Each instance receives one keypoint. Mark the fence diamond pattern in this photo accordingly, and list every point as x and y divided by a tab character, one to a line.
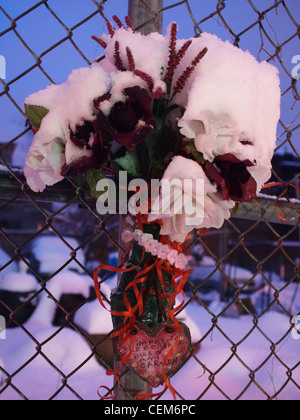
243	297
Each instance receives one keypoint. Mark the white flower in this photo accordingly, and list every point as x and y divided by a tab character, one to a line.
46	156
127	236
232	105
69	105
181	261
141	237
149	244
153	247
137	234
209	208
172	256
164	252
144	238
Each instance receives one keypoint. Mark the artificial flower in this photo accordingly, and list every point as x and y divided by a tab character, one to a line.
89	147
181	261
164	252
127	236
178	220
233	177
132	119
231	105
222	99
172	256
46	156
153	246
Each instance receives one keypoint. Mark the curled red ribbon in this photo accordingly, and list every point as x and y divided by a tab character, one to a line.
277	184
178	280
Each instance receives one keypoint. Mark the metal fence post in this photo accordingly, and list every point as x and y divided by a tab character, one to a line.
130	383
145	13
145	18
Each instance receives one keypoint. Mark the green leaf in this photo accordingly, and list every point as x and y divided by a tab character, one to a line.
137	254
191	148
93	176
158	169
35	114
154	137
130	163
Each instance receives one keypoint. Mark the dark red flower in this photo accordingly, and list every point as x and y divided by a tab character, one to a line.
94	136
133	119
232	175
128	123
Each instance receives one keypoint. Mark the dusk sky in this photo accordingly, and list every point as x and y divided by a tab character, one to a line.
40	31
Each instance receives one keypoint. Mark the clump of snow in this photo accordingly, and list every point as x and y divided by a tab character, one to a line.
72	101
150	52
39	380
210	209
4	259
67	282
281	199
52	253
120	81
93	319
19	282
5	169
232	104
69	105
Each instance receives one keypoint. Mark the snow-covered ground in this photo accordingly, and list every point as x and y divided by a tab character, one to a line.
5	259
255	352
39	380
237	356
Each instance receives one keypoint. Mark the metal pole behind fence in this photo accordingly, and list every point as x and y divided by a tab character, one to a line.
146	11
144	17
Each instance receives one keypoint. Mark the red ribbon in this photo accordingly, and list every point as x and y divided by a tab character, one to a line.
129	314
102	397
277	184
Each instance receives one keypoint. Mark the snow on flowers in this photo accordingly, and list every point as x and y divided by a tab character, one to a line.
189	124
162	108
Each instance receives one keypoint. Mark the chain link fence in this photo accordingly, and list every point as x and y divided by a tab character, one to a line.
243	297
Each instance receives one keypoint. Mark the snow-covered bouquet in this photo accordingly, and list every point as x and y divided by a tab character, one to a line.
197	115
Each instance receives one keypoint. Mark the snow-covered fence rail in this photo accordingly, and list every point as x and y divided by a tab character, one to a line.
267	208
243	298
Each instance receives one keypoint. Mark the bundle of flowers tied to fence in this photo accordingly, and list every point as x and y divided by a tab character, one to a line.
197	115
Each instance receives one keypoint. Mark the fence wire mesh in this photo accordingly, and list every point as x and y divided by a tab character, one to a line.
243	297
